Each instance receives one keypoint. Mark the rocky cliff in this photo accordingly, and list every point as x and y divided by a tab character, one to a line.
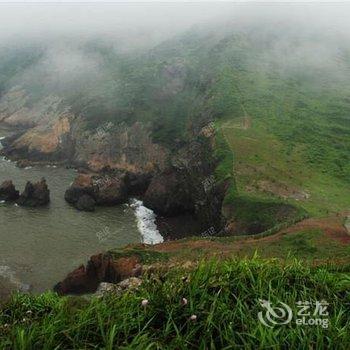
49	132
173	182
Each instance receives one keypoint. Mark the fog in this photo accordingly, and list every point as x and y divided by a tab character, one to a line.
294	36
141	24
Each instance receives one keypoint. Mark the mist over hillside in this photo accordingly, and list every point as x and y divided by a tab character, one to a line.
177	67
195	152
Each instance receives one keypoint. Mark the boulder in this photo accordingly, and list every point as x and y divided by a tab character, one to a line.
8	191
89	190
35	195
85	203
82	185
131	283
100	268
107	288
110	190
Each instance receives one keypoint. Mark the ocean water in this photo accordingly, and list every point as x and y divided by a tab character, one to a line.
39	246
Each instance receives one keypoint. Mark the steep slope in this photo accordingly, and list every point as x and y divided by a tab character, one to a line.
276	101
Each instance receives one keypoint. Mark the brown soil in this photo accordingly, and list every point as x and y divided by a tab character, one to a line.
333	227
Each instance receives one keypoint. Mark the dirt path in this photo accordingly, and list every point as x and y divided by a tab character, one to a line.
333	227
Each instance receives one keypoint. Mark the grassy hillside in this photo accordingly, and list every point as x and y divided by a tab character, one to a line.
224	297
282	108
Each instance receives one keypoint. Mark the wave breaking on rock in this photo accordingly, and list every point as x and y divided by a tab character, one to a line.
146	223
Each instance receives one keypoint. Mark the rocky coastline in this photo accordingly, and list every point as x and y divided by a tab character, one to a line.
174	184
121	162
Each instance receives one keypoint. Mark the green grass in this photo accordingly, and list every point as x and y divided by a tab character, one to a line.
308	245
267	167
223	295
144	256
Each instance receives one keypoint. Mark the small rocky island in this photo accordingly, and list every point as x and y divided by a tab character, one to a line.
34	195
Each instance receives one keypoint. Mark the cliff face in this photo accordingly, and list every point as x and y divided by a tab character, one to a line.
122	147
55	134
179	182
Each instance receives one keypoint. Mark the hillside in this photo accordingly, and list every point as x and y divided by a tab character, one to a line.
216	305
251	122
285	119
228	142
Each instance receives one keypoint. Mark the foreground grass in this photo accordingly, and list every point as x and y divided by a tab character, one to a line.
223	295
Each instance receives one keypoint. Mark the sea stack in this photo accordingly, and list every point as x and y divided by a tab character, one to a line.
35	195
8	191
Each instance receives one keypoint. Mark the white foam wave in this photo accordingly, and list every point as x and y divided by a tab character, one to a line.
146	223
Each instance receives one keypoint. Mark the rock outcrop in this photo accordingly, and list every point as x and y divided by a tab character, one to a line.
100	268
131	283
169	194
174	181
89	190
85	203
35	195
137	183
81	194
8	191
50	132
189	187
110	190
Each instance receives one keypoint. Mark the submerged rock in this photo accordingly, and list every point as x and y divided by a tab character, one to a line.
35	195
8	191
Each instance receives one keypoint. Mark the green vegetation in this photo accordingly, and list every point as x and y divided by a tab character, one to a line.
224	296
144	256
256	215
306	244
285	120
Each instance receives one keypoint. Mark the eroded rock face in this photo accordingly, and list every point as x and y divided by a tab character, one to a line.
35	195
8	191
137	183
168	194
52	133
100	268
189	187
